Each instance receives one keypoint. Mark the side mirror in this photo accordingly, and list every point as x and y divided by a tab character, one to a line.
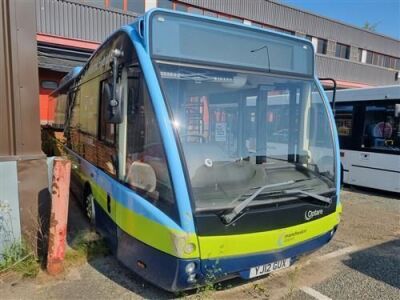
113	94
397	110
107	92
113	107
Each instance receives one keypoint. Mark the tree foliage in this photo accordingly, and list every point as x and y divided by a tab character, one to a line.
370	26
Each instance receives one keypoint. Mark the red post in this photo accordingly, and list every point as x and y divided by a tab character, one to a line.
59	215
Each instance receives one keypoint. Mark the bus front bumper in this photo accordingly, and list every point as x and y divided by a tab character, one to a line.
172	274
240	266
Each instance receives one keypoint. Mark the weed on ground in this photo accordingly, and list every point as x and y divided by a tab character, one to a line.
84	247
19	258
258	291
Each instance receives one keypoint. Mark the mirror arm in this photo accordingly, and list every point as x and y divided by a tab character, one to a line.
117	54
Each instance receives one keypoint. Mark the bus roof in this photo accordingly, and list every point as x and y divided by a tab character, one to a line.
74	74
366	94
171	37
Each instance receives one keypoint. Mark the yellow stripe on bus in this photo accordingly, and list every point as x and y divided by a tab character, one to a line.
184	245
212	247
171	241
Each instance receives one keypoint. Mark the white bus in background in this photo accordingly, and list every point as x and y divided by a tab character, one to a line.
368	124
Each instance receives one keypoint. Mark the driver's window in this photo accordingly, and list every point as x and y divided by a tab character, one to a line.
146	165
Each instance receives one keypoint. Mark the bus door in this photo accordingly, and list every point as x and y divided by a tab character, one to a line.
223	122
254	107
233	123
249	117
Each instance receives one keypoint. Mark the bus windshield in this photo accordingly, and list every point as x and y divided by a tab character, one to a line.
240	131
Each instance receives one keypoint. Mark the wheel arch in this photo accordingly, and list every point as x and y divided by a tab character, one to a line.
87	188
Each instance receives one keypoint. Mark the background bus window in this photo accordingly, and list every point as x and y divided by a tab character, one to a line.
319	130
381	128
344	120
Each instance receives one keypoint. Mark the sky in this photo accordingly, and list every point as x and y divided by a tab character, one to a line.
384	13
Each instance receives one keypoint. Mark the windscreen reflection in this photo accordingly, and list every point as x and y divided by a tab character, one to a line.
242	131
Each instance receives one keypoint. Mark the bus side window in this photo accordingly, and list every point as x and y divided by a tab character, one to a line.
347	126
381	128
344	120
106	148
146	164
107	132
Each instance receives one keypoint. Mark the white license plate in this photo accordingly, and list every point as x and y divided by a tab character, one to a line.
268	268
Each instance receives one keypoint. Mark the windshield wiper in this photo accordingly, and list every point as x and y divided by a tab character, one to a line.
228	217
312	195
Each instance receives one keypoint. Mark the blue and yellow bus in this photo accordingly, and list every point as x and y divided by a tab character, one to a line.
186	164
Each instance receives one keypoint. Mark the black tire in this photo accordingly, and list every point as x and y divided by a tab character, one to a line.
341	175
88	204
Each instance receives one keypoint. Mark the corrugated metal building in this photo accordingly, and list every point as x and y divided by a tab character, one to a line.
353	56
23	166
69	30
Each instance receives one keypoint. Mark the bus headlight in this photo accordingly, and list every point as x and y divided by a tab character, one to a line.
190	248
190	268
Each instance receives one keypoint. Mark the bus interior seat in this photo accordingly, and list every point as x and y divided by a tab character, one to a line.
222	169
142	175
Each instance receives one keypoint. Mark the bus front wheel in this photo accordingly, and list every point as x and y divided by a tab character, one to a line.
89	205
341	175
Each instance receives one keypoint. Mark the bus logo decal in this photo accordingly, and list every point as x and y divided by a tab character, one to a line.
309	214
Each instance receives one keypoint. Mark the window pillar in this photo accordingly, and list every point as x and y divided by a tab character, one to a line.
331	48
353	53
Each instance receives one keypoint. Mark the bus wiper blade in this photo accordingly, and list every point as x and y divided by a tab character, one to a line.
312	195
228	217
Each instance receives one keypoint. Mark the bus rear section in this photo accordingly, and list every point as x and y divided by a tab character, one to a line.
199	164
368	122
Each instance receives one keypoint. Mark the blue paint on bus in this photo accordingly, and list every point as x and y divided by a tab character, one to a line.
165	125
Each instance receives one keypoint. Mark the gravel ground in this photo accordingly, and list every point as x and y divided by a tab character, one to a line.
367	266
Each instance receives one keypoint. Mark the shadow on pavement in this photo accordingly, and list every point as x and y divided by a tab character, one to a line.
108	265
381	262
370	191
77	222
120	275
114	271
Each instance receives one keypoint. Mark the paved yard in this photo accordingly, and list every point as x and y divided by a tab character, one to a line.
361	262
